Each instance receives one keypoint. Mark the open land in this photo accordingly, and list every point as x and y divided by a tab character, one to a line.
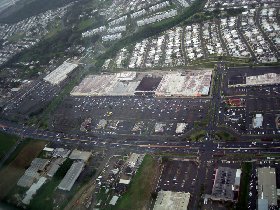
14	170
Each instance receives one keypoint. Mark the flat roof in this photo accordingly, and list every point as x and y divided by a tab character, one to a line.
180	127
164	84
60	73
80	155
190	83
267	185
71	176
225	183
114	200
33	190
167	200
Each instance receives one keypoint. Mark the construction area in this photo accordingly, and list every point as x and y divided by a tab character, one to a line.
172	200
175	84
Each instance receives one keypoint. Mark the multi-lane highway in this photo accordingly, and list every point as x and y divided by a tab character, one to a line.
142	144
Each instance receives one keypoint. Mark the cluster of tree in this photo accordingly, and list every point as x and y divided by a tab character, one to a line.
32	8
46	49
56	45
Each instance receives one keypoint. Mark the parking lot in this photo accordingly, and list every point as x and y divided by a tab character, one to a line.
251	100
31	100
128	115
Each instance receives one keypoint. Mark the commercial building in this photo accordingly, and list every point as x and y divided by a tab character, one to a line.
60	73
180	128
178	84
264	79
256	80
192	83
267	192
71	176
167	200
159	127
257	121
226	184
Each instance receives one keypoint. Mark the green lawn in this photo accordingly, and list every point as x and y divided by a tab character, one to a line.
223	135
139	191
6	143
198	135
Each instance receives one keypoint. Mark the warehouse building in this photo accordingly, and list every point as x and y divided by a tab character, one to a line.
267	192
80	155
31	174
60	73
71	176
32	190
167	200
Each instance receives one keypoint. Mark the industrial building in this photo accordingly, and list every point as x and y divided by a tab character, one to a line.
226	184
61	152
32	173
60	73
32	190
167	200
71	176
267	192
80	155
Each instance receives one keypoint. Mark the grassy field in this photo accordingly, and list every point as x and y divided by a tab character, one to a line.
198	135
244	185
223	135
6	143
139	191
10	174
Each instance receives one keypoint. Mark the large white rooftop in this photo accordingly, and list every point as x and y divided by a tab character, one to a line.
60	73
